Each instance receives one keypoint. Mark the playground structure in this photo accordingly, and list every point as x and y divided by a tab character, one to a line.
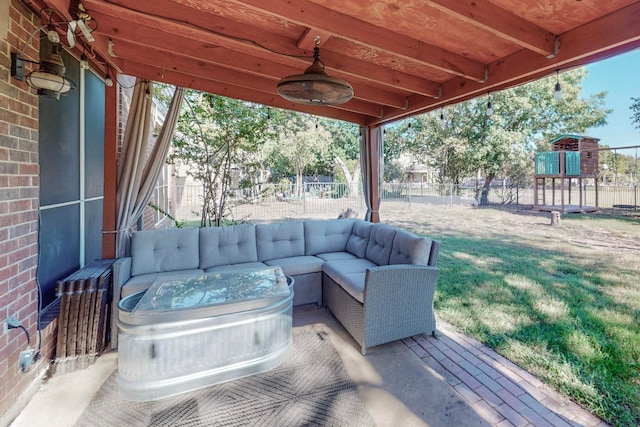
563	171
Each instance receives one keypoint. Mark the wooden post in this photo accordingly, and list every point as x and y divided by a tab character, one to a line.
109	207
555	218
580	191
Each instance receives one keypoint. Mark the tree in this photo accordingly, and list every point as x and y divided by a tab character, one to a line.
213	135
635	109
471	142
300	142
344	152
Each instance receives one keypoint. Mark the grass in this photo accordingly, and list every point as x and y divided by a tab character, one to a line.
562	302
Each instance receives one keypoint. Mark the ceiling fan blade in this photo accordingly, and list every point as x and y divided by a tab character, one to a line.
85	30
71	38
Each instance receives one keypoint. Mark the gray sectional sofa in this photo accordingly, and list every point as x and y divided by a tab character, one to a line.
377	280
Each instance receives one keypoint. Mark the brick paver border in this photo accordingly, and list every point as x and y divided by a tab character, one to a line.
504	393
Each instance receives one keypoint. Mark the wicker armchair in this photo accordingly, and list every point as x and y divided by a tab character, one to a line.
398	302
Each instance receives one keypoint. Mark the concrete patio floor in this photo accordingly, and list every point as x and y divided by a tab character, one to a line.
451	380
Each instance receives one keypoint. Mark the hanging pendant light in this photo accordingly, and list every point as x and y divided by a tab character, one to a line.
489	108
315	86
557	91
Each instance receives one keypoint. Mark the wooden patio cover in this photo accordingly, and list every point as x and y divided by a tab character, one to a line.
402	57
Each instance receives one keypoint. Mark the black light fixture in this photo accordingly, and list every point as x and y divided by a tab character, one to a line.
557	92
442	121
315	86
49	80
489	107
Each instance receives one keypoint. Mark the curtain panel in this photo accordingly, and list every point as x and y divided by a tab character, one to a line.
372	170
139	169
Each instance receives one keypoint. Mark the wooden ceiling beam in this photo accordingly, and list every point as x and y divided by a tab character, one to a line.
122	17
584	44
199	50
306	13
237	92
499	22
145	55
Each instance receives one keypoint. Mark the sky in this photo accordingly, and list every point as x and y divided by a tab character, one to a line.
620	78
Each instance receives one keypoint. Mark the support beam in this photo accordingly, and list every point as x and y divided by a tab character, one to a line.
109	206
306	13
487	16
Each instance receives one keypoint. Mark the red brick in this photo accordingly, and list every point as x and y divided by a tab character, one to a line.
469	380
512	387
487	412
488	395
515	418
466	393
510	399
9	272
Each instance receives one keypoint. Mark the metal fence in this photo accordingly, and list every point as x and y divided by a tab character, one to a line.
269	201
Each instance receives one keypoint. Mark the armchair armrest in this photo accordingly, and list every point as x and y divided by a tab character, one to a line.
121	270
433	254
121	273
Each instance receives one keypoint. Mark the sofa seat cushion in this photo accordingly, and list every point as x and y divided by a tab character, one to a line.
236	267
334	256
144	281
327	235
157	251
350	274
298	264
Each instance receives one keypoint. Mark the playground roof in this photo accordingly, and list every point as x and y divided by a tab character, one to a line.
573	137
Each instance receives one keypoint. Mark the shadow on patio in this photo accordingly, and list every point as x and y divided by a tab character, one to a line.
450	380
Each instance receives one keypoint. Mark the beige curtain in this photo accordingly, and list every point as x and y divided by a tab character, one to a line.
367	163
137	172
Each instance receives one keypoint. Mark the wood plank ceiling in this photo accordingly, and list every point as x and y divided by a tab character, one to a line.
402	57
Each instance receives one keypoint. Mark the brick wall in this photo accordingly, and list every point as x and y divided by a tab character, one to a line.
19	187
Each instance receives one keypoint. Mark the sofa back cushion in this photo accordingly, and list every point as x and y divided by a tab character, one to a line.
380	243
409	249
357	243
280	240
156	251
327	235
234	244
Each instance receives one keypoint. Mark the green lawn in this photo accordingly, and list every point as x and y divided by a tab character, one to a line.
562	302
